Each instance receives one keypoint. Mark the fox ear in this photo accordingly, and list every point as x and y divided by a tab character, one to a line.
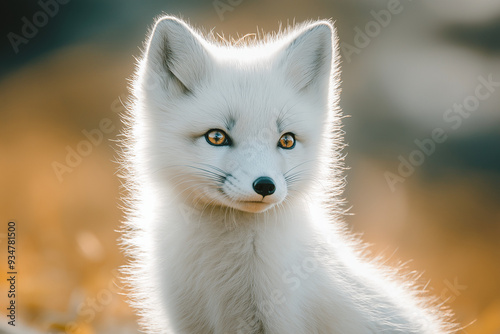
176	56
308	57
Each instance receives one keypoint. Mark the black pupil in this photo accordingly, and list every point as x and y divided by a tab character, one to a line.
217	137
286	140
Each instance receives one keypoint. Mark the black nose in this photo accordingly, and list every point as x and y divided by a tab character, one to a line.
264	186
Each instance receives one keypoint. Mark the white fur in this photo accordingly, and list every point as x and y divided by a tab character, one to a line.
206	257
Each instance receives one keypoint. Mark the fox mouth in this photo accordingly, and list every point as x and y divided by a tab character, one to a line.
247	205
247	201
257	203
253	206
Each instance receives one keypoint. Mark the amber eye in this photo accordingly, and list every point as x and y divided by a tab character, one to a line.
217	138
287	141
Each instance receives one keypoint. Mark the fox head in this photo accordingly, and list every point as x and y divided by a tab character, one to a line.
241	126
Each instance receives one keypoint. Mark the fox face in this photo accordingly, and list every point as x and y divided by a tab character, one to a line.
238	127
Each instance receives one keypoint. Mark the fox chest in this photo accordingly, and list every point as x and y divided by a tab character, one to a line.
217	290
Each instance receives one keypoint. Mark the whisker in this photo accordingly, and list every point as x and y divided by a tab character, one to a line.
298	165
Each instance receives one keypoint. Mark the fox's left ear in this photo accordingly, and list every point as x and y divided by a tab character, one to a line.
308	58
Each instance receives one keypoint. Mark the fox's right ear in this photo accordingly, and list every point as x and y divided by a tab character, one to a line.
175	57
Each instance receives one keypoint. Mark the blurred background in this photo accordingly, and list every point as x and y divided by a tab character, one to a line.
421	87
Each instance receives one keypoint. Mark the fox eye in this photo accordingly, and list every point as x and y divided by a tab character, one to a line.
287	141
217	137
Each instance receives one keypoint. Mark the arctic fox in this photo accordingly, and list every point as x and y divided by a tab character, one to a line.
233	162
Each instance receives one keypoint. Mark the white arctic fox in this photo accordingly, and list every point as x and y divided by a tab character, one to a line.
233	165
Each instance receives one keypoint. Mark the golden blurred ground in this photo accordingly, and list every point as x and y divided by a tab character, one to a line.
67	248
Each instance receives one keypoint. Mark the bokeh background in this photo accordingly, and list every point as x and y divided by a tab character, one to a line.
68	73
